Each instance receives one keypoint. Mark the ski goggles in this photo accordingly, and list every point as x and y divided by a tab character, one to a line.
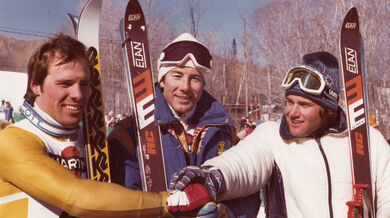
178	53
308	78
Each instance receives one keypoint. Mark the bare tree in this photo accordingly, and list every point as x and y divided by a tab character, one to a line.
160	31
15	53
283	30
244	72
196	9
159	22
276	36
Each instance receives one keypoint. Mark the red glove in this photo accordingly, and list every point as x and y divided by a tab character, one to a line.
193	196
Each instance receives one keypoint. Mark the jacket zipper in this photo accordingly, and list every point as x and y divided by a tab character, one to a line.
318	140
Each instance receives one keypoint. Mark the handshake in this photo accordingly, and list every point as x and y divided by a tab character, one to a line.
194	187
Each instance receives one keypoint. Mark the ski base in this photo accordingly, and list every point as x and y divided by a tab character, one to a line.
142	96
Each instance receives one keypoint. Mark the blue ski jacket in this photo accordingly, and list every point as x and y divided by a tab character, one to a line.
215	136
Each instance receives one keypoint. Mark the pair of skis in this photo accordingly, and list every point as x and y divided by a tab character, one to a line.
141	90
352	56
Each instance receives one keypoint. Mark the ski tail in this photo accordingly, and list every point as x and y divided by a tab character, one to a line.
75	21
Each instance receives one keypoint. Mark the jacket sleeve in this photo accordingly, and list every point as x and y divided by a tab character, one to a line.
247	206
380	158
247	166
123	162
25	164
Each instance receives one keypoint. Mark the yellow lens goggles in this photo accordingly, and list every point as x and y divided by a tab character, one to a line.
308	78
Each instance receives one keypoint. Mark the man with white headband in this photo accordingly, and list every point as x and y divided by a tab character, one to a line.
302	162
194	126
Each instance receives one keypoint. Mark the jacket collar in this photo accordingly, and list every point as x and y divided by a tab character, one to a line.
45	122
339	127
208	111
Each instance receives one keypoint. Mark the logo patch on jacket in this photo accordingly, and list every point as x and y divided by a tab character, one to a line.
221	147
70	159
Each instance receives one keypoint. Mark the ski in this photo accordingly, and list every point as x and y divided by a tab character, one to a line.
94	127
352	56
142	96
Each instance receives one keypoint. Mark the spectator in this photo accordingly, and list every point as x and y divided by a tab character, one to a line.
2	106
372	121
241	134
249	127
110	119
9	112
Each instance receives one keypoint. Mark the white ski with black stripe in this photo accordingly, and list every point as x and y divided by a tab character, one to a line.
87	31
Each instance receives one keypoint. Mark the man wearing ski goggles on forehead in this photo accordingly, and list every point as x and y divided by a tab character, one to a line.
310	81
194	126
301	162
185	53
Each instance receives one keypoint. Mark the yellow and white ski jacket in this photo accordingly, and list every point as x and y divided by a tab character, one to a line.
42	176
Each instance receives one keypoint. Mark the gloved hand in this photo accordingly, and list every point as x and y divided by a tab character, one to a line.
213	210
192	197
212	179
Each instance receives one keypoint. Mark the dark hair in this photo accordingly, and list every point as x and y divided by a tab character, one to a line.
329	117
62	46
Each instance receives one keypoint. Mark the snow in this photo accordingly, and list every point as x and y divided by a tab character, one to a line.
261	213
13	87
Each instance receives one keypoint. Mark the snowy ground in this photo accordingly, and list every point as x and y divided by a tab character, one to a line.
261	213
12	87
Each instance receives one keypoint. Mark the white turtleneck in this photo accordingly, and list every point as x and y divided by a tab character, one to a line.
184	117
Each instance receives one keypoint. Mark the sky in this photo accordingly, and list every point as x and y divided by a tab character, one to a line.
32	19
37	19
28	19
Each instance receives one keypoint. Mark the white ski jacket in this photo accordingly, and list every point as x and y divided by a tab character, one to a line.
311	189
